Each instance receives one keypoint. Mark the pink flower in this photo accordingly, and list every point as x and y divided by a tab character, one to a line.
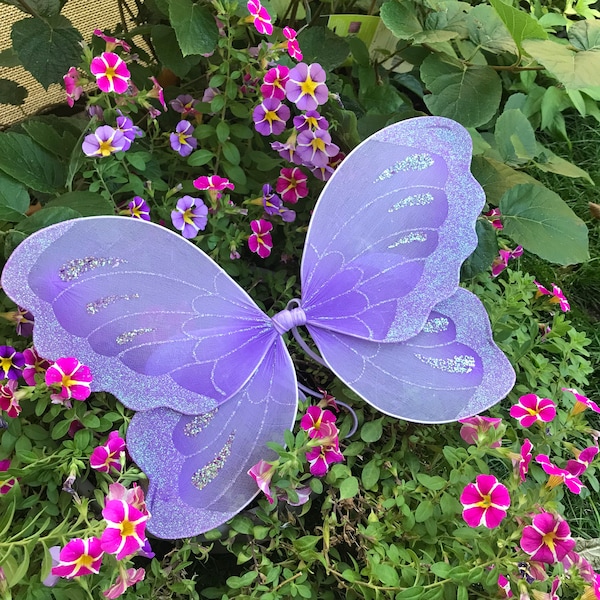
548	539
72	87
522	464
109	455
260	17
124	580
73	378
6	483
320	457
314	419
34	364
133	496
262	472
531	409
474	429
157	92
274	82
581	402
213	183
79	557
125	529
260	240
501	262
112	42
557	296
504	585
306	86
558	475
112	74
583	459
291	184
9	401
293	47
485	502
493	215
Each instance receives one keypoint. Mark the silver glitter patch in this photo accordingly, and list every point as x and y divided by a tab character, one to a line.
458	364
414	200
202	477
93	307
128	336
198	423
436	325
413	236
414	162
77	267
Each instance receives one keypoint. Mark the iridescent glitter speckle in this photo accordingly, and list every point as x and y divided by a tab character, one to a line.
414	162
198	423
128	336
202	477
414	200
462	363
75	268
436	325
93	307
413	236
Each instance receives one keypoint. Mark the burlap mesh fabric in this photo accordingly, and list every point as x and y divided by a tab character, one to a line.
86	15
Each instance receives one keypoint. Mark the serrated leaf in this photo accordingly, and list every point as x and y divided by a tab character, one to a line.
87	204
469	95
14	199
585	35
487	30
25	161
45	217
322	46
47	48
165	43
12	93
574	69
194	26
349	488
484	254
541	222
515	137
44	8
401	19
520	25
53	134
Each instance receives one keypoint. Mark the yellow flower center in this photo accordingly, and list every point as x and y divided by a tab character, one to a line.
548	539
110	72
309	86
188	217
271	116
311	122
66	381
318	144
136	212
85	560
182	138
6	364
486	501
127	528
106	148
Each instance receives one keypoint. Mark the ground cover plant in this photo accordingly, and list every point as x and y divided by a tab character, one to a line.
198	116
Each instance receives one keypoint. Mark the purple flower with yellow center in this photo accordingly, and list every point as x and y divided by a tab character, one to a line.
104	142
138	208
287	150
274	206
310	120
190	216
129	130
182	140
11	362
306	87
185	104
314	148
270	116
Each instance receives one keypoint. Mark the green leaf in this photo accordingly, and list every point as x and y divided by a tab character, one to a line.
222	130
9	58
47	48
412	593
165	43
469	95
520	25
194	26
57	135
371	431
14	199
424	511
434	483
45	217
386	574
231	153
574	69
487	30
43	8
60	429
441	569
515	137
87	204
548	162
200	157
322	46
12	93
484	254
401	19
349	488
370	474
25	161
585	35
541	222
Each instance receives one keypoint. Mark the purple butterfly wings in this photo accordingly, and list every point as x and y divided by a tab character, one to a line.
169	333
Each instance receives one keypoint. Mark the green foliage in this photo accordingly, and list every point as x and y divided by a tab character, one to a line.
194	27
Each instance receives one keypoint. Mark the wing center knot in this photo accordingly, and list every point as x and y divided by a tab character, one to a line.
287	318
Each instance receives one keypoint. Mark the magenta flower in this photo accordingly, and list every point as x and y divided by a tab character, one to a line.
485	502
556	296
138	208
11	363
314	419
125	531
310	120
548	539
129	130
183	140
531	409
291	184
270	117
314	147
79	557
320	457
185	105
73	378
581	402
112	42
156	92
112	74
306	86
103	458
73	89
582	461
34	364
558	475
274	82
501	262
262	472
260	17
260	240
493	215
504	586
104	142
9	401
190	216
293	47
474	430
6	483
521	465
213	183
125	579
